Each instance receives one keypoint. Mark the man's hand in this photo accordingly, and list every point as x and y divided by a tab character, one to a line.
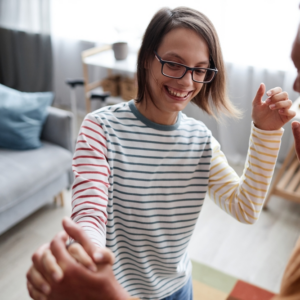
55	273
296	133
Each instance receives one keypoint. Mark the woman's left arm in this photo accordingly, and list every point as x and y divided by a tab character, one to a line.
243	197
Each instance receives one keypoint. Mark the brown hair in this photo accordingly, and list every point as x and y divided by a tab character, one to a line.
213	97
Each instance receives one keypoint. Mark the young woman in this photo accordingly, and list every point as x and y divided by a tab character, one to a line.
143	168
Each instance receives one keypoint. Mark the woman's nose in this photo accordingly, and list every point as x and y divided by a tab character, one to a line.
187	78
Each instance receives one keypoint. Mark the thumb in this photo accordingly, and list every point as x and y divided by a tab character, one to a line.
259	94
99	255
77	233
296	133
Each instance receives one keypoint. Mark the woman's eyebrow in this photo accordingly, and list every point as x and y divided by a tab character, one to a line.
205	62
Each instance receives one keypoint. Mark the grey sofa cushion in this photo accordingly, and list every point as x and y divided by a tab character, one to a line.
25	172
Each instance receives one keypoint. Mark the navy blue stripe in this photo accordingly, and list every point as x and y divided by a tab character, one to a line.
158	186
164	283
156	201
143	126
163	261
146	240
151	216
161	194
160	150
152	223
144	234
141	133
155	208
159	157
161	172
131	262
148	256
148	229
155	165
156	142
161	179
117	243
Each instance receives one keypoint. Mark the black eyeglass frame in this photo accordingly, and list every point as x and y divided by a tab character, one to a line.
215	70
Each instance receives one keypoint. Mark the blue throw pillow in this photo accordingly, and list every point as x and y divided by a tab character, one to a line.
22	116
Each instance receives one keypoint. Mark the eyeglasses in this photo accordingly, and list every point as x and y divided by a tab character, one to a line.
177	71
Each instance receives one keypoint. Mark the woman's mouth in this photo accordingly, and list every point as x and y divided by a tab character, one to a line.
180	95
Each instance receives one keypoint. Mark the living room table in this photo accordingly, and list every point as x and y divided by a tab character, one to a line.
104	57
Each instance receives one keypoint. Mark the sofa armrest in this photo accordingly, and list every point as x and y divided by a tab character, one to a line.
58	128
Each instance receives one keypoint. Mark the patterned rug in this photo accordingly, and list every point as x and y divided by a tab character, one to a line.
210	284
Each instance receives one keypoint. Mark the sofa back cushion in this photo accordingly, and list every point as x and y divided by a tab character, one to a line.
22	116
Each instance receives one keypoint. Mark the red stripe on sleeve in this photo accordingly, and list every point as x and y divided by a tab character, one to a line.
91	129
89	188
87	156
89	180
94	165
90	196
90	137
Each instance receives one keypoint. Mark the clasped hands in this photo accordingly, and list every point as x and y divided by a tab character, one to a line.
81	271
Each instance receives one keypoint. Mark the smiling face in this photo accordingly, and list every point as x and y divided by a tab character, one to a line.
296	59
183	46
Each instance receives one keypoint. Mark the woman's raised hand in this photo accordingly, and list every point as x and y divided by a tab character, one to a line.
274	112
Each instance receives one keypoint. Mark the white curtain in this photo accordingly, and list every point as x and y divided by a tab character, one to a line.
26	15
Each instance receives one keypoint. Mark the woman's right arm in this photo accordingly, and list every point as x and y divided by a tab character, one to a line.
90	188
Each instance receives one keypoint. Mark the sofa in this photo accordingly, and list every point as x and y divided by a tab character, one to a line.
32	178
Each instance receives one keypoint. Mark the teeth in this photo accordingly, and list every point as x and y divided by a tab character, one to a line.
182	95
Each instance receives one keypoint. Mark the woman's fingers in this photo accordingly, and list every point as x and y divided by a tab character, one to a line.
51	267
80	255
79	235
278	97
34	293
274	91
287	113
281	104
37	281
37	257
103	255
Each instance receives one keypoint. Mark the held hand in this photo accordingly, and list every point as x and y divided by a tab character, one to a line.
79	282
274	112
45	269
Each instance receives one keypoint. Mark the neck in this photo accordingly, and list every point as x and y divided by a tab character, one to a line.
156	115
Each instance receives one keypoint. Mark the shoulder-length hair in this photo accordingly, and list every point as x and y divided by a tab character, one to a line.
213	97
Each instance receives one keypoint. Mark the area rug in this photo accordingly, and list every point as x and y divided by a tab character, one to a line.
211	284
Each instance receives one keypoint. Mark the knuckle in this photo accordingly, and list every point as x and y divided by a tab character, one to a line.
35	258
28	275
73	249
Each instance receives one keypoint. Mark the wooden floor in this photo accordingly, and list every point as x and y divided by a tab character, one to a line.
255	253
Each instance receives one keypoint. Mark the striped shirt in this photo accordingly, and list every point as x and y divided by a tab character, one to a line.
139	188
